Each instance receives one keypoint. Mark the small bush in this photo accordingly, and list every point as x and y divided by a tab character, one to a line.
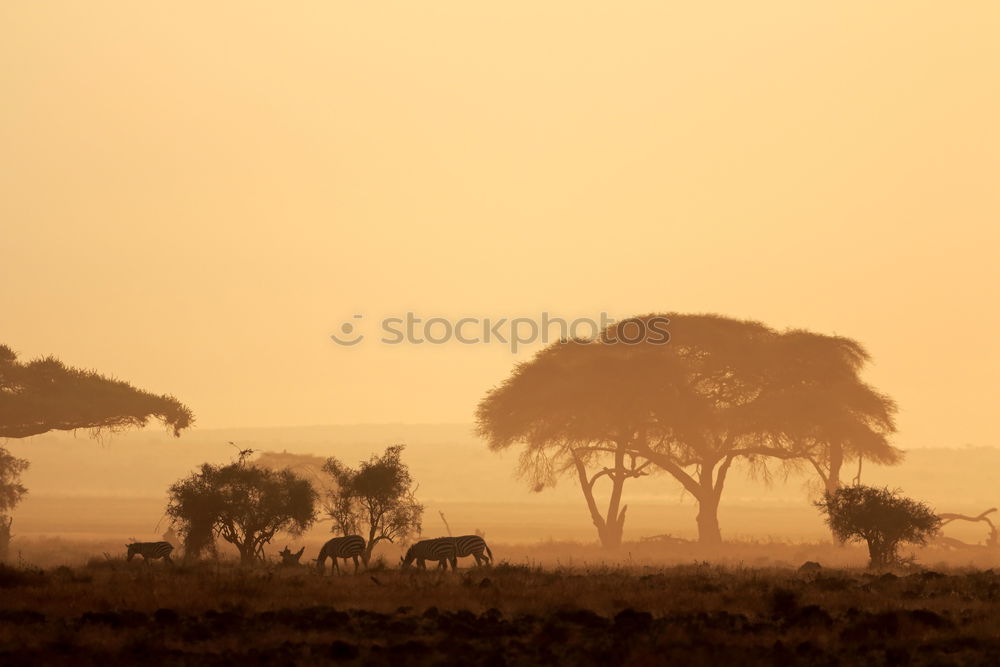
881	518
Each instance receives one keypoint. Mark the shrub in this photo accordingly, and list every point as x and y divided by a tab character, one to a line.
881	518
243	504
375	500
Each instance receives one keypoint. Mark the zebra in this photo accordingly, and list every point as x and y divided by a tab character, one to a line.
351	546
473	545
441	549
150	550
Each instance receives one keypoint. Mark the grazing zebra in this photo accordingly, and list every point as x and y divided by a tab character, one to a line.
351	546
150	550
441	549
473	545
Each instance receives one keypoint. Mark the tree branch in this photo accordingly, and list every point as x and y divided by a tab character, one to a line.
720	478
668	464
819	470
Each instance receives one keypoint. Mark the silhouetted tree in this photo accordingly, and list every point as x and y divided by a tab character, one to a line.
5	536
376	499
576	409
826	412
11	492
883	519
719	391
45	395
243	504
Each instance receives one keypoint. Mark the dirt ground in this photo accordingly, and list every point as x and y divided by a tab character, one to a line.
110	612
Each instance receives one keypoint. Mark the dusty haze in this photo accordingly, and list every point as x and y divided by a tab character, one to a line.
194	197
82	490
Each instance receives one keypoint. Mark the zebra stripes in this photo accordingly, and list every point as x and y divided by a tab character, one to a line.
150	550
448	550
441	549
473	545
351	546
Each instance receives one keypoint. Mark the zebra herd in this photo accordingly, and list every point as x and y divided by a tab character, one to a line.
447	550
444	550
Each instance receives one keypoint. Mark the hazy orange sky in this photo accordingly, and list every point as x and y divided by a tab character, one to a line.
193	196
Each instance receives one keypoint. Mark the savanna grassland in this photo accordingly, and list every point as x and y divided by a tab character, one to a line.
111	612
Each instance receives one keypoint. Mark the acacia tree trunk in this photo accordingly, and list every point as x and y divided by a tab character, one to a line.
708	511
706	489
373	529
614	525
831	476
610	526
833	482
245	543
248	553
5	524
881	553
708	523
836	463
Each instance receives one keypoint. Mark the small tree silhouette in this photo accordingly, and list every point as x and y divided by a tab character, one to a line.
881	518
243	504
377	498
11	492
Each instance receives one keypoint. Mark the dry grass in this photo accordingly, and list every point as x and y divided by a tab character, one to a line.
113	612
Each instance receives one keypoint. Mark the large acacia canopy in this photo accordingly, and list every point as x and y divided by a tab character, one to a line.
45	395
719	390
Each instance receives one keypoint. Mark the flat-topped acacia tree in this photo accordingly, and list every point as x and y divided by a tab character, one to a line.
576	409
720	390
755	394
46	395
